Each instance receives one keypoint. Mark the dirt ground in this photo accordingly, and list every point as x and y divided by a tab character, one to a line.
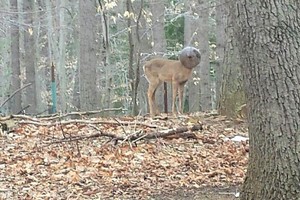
200	194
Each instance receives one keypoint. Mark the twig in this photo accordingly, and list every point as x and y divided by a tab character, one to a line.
14	93
23	109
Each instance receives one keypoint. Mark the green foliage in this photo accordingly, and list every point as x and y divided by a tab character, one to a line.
174	30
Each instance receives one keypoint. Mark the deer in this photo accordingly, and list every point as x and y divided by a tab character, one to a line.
176	72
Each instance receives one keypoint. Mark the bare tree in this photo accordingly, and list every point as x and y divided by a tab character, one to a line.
159	45
29	57
196	34
133	24
89	47
221	19
107	71
61	64
15	102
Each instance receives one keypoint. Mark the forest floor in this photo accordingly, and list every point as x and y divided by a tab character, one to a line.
198	156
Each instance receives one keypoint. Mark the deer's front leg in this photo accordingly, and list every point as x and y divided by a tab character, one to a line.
180	97
175	86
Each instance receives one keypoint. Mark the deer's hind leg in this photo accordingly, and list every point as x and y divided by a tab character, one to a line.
151	97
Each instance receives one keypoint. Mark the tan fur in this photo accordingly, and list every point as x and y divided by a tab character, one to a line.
158	71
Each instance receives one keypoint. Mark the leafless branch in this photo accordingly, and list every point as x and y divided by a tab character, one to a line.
14	93
80	121
176	132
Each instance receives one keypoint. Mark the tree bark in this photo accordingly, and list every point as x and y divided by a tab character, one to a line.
29	57
88	55
190	32
196	35
134	10
269	42
108	72
204	74
131	75
61	66
221	19
232	95
159	47
15	103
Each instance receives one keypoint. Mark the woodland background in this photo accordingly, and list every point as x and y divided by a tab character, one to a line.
98	49
95	51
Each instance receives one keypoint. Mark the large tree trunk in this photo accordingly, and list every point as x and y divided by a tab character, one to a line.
88	55
269	42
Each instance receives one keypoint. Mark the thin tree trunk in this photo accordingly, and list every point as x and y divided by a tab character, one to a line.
190	31
74	54
221	19
159	47
15	102
29	57
89	47
204	74
139	9
134	50
50	57
196	34
61	66
131	50
145	50
107	71
43	55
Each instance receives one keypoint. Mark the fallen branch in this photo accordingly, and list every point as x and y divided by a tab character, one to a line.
181	131
57	116
80	121
25	117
